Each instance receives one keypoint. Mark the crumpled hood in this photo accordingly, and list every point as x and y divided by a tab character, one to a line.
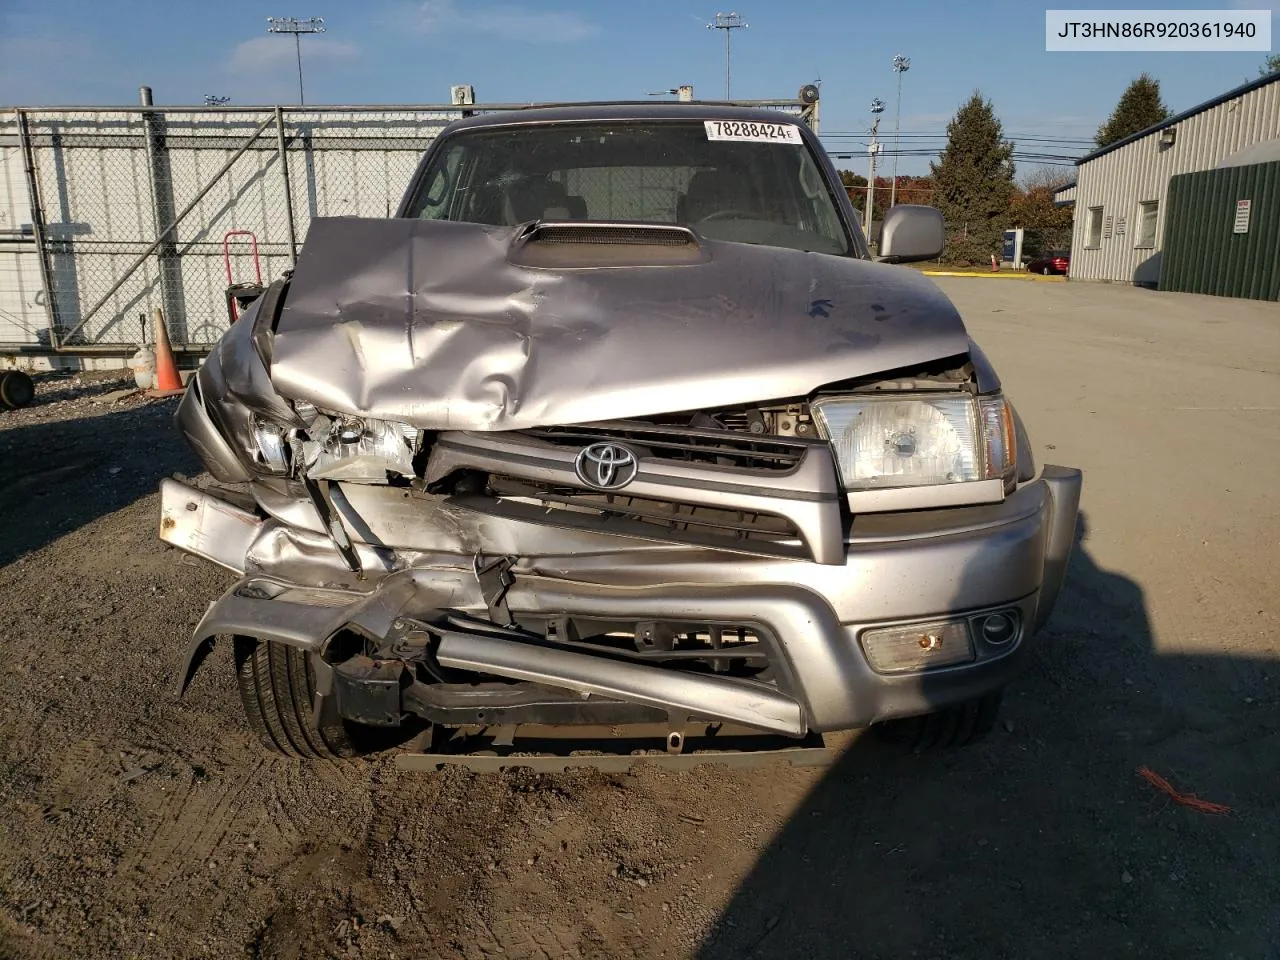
432	324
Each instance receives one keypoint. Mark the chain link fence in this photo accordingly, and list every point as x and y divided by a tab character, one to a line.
141	209
107	214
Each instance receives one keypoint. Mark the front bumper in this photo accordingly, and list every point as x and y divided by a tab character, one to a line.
418	555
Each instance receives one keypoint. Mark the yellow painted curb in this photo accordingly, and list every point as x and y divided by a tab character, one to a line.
1006	275
971	273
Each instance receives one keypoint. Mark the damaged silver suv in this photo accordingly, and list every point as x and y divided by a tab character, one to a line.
616	422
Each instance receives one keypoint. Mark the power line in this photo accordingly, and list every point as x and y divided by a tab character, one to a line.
1064	159
942	136
930	151
925	152
1052	153
1039	161
941	132
927	141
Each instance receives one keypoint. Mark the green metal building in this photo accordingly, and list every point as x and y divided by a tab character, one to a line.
1222	235
1159	208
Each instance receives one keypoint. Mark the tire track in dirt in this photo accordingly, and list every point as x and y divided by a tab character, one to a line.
530	939
82	779
192	824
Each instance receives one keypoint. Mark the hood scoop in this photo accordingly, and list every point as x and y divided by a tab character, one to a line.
579	243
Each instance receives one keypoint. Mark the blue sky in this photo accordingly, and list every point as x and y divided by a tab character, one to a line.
410	51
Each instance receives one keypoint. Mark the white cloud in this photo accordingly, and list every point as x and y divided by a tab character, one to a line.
508	21
264	54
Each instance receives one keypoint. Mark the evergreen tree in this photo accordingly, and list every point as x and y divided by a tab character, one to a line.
1270	65
973	183
1140	107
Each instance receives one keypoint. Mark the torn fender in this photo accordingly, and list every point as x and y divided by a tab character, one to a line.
307	618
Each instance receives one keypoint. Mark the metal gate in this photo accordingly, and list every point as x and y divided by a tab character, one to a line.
107	213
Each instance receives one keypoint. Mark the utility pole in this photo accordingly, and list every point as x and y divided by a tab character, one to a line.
901	65
728	22
877	108
297	28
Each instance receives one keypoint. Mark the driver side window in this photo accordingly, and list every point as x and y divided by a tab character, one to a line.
440	195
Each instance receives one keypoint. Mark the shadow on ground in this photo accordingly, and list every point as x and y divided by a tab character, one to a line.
1042	840
57	475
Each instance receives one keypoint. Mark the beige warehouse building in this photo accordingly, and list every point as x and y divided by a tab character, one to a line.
1120	191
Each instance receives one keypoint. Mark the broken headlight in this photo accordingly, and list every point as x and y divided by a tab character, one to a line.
271	446
358	449
881	442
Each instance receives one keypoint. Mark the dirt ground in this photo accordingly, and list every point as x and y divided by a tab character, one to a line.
132	825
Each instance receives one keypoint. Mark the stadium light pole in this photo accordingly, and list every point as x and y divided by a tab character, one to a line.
901	65
728	22
296	27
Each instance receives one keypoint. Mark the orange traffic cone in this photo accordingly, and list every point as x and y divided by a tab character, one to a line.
168	382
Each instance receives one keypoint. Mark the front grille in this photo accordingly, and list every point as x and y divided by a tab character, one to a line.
752	493
667	518
719	447
741	650
744	649
736	420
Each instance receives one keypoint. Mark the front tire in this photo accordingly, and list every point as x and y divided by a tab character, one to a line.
1046	271
277	686
16	389
957	726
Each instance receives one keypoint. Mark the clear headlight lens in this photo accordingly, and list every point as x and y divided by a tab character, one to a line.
358	449
272	446
881	442
334	447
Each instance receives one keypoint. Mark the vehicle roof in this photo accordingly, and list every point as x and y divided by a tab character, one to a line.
642	110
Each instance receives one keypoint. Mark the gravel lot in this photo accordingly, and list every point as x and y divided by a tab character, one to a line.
134	825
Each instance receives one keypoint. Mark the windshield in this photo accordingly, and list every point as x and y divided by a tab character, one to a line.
728	180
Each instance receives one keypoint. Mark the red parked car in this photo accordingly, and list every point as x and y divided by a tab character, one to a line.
1049	265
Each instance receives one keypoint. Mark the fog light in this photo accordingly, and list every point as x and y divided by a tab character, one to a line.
998	629
919	646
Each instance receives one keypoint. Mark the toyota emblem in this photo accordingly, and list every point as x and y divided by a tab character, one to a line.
606	466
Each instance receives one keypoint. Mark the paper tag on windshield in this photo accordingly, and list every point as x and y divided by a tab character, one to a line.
752	131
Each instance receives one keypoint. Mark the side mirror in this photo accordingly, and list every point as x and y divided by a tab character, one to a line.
911	232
